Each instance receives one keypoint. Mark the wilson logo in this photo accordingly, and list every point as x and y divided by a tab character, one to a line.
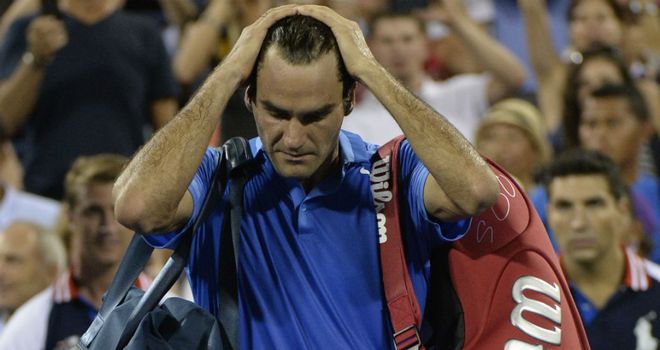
379	178
529	305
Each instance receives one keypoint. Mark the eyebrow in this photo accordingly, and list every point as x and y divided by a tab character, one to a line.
313	114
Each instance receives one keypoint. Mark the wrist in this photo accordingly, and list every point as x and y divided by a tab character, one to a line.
34	61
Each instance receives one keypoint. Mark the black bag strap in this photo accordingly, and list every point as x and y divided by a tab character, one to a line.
229	250
138	251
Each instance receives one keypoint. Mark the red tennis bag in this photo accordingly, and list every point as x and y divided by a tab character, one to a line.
499	287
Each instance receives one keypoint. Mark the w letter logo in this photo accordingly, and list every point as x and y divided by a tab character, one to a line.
529	305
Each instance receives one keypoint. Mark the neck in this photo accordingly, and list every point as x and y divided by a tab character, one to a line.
2	192
94	282
331	164
88	12
598	280
629	170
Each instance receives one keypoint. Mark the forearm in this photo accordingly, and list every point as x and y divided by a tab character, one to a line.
195	50
543	56
149	191
453	163
494	57
18	95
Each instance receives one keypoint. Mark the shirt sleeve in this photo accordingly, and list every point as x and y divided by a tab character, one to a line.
412	175
198	188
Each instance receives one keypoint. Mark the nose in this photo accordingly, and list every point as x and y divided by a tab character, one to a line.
578	220
294	135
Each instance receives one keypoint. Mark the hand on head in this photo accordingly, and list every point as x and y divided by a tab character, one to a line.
352	45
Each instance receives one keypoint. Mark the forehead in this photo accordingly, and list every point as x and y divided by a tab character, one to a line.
18	239
600	66
578	187
281	81
395	25
95	192
604	107
586	7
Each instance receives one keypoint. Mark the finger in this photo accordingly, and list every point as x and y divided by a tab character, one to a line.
275	14
321	13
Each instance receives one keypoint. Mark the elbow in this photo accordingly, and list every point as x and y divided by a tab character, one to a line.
131	211
484	193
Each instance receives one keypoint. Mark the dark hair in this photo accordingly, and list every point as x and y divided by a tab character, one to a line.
635	99
385	15
572	106
585	162
618	10
301	40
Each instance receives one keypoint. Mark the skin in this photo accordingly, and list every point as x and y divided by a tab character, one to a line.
510	147
299	121
401	48
585	218
594	23
23	273
594	74
608	125
98	241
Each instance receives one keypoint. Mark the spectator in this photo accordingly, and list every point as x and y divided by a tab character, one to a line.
513	135
95	242
615	121
592	23
84	84
31	258
399	43
16	205
616	291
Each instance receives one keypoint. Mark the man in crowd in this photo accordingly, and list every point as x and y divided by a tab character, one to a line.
84	81
95	243
399	43
31	258
304	280
616	291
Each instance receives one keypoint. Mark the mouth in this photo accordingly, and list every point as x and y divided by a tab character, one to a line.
581	243
295	157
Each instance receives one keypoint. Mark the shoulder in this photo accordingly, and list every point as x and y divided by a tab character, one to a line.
26	329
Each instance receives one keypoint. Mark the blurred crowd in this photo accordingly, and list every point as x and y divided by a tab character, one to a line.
554	91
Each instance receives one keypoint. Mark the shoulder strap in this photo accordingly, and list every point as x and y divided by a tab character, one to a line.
138	253
404	309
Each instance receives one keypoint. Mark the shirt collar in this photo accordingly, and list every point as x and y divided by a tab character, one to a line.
635	277
65	288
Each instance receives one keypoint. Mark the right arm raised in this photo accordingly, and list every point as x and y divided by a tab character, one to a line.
151	194
548	67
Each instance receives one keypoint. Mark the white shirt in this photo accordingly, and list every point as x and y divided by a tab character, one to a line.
463	100
26	329
23	206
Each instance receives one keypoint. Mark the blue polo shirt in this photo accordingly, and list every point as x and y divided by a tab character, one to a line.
309	273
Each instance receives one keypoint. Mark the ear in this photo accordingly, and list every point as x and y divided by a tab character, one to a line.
349	101
246	99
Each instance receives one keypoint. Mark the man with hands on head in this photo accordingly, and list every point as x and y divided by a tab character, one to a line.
303	281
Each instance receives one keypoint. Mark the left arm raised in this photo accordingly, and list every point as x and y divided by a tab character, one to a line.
460	183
